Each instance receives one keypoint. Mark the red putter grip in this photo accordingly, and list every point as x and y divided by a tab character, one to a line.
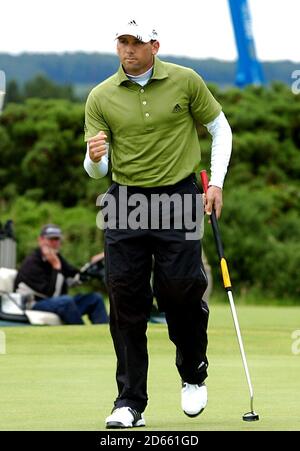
204	180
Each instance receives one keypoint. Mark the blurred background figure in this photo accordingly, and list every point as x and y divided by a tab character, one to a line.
46	275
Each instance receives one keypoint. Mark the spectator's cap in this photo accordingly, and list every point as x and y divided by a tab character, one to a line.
143	33
51	231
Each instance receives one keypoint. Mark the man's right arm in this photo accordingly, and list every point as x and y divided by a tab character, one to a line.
94	167
97	136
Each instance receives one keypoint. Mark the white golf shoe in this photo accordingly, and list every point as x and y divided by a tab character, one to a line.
193	398
125	417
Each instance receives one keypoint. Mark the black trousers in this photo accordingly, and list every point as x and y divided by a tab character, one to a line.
179	281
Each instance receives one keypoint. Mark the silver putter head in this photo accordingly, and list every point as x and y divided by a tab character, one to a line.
251	416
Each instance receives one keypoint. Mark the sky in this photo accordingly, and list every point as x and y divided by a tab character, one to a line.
192	28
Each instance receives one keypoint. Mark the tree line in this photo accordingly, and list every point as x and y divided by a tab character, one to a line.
81	68
38	87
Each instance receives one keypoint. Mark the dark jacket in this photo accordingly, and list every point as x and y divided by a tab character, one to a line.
37	274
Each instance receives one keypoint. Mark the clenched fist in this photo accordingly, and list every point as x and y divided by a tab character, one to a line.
97	147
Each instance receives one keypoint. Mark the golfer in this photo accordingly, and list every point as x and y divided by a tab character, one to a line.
147	115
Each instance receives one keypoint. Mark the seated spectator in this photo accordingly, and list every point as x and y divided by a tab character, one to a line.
45	275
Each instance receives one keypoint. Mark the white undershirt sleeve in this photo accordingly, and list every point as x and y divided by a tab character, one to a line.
221	149
95	170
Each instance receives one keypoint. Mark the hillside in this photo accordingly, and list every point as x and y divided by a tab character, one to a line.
91	68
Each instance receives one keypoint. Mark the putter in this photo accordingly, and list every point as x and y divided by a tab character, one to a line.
2	89
249	416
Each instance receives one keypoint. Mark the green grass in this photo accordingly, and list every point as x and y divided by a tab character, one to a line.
62	378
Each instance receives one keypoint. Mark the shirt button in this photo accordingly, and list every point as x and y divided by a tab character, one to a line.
147	114
144	103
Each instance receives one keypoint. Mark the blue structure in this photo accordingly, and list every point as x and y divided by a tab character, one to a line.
249	70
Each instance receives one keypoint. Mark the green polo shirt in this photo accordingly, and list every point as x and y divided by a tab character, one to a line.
152	129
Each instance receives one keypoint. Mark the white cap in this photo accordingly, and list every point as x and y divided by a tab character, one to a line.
141	32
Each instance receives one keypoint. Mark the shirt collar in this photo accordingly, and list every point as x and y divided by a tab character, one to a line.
159	72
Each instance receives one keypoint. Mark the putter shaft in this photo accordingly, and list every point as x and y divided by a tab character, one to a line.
228	288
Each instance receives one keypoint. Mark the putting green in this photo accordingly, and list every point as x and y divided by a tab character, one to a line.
62	378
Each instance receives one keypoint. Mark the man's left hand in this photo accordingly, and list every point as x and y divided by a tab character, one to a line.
213	200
